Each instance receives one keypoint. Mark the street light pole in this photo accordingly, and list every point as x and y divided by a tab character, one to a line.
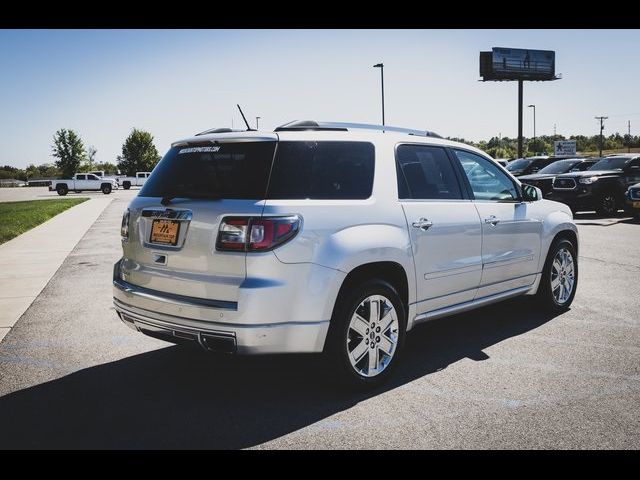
534	123
381	67
257	119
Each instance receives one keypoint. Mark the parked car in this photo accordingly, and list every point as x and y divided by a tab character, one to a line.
502	161
340	240
137	181
601	188
531	165
81	182
526	166
544	178
632	204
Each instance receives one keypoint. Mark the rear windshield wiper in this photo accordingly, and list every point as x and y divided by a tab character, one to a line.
166	199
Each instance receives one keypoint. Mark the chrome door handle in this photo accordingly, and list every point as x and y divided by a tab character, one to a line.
492	219
422	223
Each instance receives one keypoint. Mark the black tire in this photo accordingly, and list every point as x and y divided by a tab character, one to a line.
336	349
545	296
607	204
126	185
62	190
106	188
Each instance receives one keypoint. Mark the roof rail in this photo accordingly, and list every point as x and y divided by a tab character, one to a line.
301	125
220	130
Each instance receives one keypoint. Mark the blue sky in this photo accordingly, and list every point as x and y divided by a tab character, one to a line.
174	83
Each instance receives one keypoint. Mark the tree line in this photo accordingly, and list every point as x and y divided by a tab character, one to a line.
505	147
139	154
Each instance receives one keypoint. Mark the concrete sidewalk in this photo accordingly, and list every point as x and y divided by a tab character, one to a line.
28	261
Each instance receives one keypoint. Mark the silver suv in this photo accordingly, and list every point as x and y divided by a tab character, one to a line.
335	238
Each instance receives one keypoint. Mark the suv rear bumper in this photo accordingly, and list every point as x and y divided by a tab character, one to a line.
227	338
147	310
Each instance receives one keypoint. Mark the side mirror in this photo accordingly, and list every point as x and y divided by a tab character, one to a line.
531	193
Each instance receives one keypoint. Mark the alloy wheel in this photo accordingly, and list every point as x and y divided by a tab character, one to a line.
562	276
372	336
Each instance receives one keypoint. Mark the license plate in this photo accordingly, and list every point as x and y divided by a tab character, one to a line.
165	232
636	204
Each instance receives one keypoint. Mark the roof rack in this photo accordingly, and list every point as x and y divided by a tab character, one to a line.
303	125
220	130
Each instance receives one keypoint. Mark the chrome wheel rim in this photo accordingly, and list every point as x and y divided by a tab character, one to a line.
562	276
372	335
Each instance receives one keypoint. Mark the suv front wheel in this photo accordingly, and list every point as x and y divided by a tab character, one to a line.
560	277
367	333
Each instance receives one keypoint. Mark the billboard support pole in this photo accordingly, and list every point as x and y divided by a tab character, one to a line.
520	119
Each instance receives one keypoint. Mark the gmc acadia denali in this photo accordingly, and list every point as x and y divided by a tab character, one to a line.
335	238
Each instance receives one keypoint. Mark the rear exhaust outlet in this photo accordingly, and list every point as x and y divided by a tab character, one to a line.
218	343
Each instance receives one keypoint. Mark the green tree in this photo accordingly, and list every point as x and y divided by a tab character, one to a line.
32	171
89	159
139	154
108	167
69	150
8	171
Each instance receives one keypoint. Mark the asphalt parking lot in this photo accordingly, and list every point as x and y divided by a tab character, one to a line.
505	376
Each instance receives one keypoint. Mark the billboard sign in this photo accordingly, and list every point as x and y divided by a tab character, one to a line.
518	64
517	60
564	147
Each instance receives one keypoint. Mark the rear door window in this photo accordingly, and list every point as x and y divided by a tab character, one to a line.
426	173
322	171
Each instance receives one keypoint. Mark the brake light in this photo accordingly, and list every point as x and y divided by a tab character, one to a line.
252	234
124	226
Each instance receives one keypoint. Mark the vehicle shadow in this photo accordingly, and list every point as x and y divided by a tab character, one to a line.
177	397
621	217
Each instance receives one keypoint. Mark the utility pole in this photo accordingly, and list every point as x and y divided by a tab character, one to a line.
629	138
602	119
554	129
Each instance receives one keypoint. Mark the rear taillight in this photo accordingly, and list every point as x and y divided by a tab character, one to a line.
124	226
256	234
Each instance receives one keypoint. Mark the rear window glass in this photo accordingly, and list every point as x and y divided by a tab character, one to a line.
322	171
225	170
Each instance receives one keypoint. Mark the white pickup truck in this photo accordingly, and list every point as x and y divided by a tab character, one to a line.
137	181
83	181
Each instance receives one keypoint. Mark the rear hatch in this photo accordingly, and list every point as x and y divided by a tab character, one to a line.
174	220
